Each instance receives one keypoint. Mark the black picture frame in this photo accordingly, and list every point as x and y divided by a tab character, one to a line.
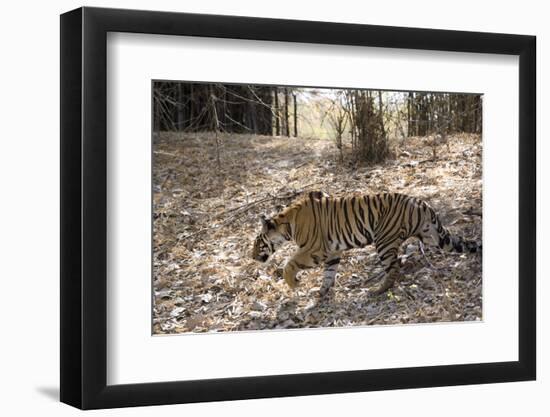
84	207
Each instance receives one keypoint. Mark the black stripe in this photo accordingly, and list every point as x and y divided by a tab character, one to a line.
419	218
334	261
371	214
397	217
347	223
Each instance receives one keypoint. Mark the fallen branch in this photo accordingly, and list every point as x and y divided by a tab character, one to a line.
237	213
289	195
412	164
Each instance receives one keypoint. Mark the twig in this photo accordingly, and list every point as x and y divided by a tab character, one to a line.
216	128
165	180
268	197
421	246
375	277
198	232
415	163
165	153
302	164
371	321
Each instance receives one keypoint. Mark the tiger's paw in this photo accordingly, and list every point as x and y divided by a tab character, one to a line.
292	282
323	293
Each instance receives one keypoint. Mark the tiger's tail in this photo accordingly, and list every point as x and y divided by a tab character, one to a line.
454	243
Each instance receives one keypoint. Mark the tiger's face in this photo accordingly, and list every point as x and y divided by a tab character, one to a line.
429	227
271	237
429	234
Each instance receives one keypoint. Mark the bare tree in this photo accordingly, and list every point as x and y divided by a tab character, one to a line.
277	112
337	116
367	125
287	127
295	114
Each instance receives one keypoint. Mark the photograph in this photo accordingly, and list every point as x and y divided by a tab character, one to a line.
356	185
295	207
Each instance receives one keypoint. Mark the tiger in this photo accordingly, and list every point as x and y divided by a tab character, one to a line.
323	227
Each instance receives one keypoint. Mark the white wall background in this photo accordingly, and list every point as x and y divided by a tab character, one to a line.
29	176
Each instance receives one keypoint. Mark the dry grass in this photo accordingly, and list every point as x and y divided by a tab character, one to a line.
204	279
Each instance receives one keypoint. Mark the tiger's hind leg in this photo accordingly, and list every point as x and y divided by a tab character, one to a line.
331	266
391	267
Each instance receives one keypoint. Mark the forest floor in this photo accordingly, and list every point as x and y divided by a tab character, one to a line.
207	216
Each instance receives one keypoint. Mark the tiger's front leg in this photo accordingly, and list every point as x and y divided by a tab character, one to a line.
298	262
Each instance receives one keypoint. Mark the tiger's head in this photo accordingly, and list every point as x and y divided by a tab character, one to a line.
431	231
273	234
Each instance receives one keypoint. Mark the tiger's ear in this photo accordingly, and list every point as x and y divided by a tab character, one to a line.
317	195
267	224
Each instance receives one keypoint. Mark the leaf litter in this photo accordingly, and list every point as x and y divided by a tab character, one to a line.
206	217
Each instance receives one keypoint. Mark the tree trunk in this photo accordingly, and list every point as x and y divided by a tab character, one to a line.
191	102
287	127
180	119
277	118
295	115
409	115
381	115
157	118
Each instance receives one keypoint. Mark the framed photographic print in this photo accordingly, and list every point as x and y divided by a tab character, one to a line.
255	208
